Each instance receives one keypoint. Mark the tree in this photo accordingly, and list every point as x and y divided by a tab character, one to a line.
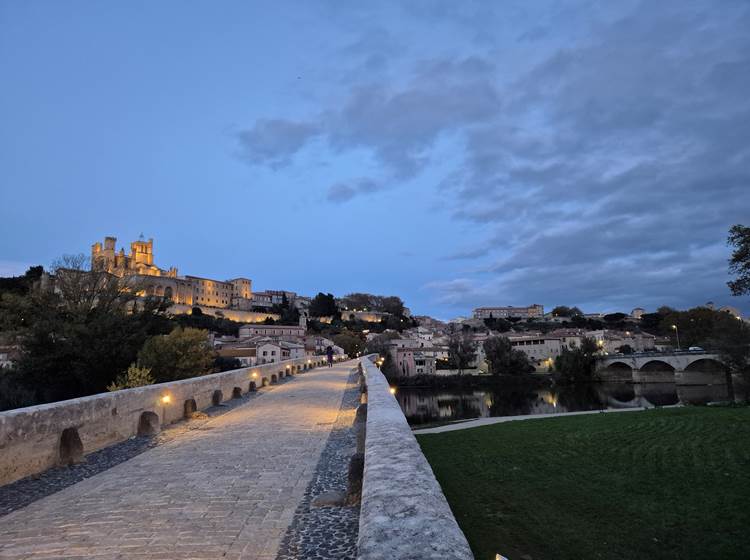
739	263
625	349
350	342
77	331
392	305
578	364
731	340
134	377
500	325
504	359
323	305
181	354
289	313
565	311
21	284
461	351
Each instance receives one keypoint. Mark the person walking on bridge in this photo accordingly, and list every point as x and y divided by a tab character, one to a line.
329	353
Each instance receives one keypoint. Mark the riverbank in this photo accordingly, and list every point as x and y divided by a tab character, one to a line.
658	484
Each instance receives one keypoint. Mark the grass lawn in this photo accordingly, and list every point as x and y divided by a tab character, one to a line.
659	484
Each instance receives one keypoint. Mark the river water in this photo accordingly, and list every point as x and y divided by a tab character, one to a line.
425	405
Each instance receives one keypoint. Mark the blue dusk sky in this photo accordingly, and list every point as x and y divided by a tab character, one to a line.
453	153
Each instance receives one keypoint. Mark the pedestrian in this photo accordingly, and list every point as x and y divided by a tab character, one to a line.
329	353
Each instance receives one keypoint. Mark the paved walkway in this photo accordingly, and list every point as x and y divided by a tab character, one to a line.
226	490
463	425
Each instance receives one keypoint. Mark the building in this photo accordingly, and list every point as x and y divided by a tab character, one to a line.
273	331
270	298
534	311
154	281
637	313
411	362
8	356
140	261
540	349
243	354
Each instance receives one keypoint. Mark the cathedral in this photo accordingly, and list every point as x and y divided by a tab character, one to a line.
185	290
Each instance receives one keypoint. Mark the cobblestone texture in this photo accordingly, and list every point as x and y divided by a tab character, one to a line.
328	532
224	487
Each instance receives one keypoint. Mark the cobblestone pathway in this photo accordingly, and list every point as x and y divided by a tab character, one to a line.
229	489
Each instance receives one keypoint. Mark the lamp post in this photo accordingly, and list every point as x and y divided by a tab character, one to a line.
677	332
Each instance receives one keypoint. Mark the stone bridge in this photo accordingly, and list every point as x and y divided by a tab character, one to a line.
272	469
682	368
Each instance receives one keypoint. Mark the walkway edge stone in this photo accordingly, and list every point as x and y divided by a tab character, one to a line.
404	514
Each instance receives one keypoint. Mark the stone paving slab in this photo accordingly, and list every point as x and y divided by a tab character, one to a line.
228	490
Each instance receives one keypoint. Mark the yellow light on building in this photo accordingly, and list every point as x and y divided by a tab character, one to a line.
393	390
166	399
255	374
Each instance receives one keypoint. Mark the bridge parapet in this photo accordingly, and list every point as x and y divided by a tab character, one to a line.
36	438
404	513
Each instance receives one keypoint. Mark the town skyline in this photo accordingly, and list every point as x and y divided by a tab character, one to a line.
454	155
124	246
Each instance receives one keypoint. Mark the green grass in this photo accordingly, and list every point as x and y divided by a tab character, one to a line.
659	484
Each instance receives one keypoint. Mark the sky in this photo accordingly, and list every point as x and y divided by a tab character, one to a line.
456	154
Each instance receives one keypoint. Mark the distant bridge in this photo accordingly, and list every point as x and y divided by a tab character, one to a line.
681	367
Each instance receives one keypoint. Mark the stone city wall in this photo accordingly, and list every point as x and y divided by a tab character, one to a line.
35	438
404	514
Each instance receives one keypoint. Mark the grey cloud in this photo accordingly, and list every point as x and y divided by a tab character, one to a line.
343	192
273	142
618	166
398	125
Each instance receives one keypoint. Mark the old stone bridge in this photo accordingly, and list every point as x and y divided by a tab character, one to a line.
284	461
680	367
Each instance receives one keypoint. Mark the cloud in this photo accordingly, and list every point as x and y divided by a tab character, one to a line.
273	142
617	165
344	192
397	125
604	159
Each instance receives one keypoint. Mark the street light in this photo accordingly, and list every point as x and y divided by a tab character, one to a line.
677	332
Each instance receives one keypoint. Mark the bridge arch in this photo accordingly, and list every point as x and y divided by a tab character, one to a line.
274	379
657	365
236	393
217	397
252	387
71	447
189	408
618	367
706	365
148	424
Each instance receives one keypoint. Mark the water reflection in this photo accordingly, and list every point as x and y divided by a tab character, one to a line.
423	405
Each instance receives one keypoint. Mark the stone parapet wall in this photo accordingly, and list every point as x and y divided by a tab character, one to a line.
36	438
404	514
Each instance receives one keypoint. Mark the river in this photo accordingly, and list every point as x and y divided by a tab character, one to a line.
426	405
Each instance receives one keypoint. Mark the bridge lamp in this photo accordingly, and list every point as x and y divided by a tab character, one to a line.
677	333
255	375
392	390
166	399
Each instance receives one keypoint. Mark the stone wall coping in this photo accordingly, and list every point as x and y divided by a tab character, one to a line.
404	514
164	387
